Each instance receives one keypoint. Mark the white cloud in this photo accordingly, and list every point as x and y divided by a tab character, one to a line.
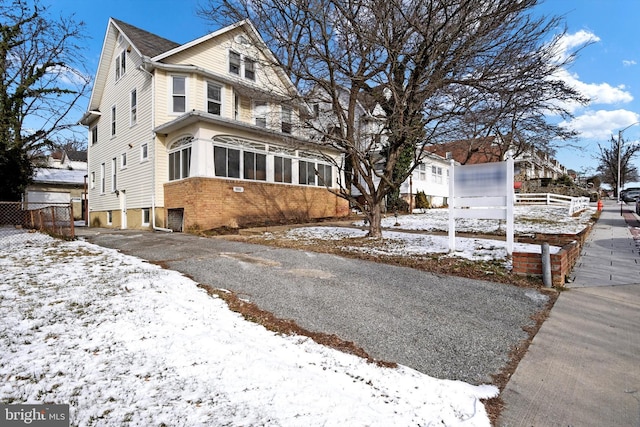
569	42
601	124
628	63
599	93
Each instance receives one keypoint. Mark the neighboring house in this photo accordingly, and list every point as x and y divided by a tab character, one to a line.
61	180
431	176
529	164
200	136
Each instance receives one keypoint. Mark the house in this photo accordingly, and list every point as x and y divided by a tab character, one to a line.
200	135
61	179
430	176
529	164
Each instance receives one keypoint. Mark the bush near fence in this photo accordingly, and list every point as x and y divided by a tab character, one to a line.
53	219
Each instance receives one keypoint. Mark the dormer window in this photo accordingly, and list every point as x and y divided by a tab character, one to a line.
234	63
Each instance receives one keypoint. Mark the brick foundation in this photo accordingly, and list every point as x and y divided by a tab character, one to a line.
211	203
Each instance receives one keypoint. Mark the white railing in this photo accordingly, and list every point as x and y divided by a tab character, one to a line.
575	204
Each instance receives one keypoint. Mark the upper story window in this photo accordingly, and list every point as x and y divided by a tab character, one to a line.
214	98
178	94
113	120
144	152
114	177
121	64
236	106
421	170
102	178
234	63
260	113
436	174
134	107
241	65
180	159
249	69
286	119
94	135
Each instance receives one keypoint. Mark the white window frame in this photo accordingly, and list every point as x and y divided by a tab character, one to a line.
421	171
92	181
123	160
436	174
145	212
284	160
144	152
114	175
103	183
174	95
121	64
182	148
249	72
114	127
94	135
213	100
235	68
260	112
286	119
133	107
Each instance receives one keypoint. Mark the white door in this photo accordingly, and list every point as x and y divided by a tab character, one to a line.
123	210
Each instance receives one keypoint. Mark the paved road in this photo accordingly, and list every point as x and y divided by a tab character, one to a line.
446	327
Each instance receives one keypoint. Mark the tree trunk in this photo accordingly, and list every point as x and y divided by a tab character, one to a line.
375	218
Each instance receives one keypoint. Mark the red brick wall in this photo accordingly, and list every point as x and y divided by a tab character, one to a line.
562	263
210	202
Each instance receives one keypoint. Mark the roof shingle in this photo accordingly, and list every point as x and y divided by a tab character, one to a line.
148	43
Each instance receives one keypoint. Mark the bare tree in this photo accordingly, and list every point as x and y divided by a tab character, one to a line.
608	162
429	65
40	83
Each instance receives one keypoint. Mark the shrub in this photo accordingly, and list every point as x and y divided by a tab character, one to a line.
422	201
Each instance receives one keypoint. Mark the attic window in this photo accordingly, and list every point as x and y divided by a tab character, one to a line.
234	63
121	64
249	69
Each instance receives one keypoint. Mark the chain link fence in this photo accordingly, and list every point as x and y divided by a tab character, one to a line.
19	217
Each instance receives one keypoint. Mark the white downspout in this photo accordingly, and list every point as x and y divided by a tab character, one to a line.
152	152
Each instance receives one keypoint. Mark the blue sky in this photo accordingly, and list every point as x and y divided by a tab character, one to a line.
607	71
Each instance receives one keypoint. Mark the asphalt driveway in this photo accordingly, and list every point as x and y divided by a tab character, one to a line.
446	327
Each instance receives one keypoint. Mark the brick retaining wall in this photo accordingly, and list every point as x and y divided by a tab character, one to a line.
562	262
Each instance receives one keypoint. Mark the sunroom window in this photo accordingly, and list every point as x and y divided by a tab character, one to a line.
180	159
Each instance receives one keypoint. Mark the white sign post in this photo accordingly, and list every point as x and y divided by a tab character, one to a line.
482	191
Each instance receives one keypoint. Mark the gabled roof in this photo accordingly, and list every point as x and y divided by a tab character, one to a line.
146	43
154	50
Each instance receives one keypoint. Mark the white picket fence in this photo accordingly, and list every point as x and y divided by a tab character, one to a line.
574	204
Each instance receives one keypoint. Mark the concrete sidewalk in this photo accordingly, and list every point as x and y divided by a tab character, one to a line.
583	366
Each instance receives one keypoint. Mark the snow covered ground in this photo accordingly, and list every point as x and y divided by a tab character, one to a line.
125	342
528	219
